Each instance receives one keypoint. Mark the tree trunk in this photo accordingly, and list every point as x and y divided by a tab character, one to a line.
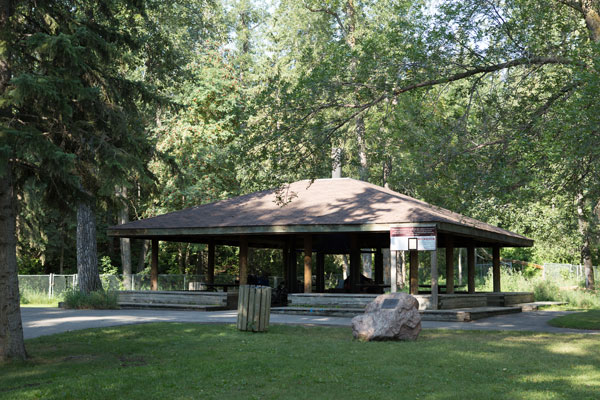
402	275
387	170
143	254
359	122
367	265
121	193
12	345
61	262
345	267
586	253
87	257
11	330
182	257
592	19
386	266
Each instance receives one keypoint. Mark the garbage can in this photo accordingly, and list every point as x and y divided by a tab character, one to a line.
254	308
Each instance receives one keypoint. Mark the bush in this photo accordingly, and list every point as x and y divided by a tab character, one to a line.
99	299
546	291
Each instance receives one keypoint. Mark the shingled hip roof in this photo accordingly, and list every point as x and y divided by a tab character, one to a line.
322	205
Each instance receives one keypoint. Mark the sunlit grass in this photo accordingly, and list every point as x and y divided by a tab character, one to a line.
218	362
589	319
33	298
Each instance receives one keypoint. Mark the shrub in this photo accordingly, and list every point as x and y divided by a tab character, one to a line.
99	299
546	291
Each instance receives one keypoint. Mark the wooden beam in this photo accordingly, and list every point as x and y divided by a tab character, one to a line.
293	267
434	280
449	267
378	266
471	268
414	272
210	270
286	263
307	264
154	266
496	268
320	272
355	269
243	260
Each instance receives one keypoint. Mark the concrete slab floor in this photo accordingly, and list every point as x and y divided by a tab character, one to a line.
48	321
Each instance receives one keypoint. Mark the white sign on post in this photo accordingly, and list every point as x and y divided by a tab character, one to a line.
422	238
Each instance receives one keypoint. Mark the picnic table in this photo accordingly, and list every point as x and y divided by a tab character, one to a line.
214	286
440	287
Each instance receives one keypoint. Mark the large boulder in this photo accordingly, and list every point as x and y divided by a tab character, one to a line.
393	316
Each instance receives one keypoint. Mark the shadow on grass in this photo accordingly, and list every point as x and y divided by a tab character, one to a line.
170	360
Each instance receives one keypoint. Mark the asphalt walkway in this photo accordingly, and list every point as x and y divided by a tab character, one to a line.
48	321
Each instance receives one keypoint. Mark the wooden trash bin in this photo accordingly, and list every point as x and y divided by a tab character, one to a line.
254	308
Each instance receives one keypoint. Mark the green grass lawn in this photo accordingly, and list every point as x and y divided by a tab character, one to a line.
186	361
582	320
53	304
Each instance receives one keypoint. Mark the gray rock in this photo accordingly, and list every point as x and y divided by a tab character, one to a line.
393	316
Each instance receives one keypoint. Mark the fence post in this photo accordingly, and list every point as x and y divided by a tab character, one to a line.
544	272
50	284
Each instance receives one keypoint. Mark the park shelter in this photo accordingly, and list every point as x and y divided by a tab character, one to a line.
324	216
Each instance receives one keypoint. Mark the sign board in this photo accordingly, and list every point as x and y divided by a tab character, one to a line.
389	304
415	237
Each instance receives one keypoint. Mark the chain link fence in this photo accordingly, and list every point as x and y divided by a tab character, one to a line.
54	285
554	271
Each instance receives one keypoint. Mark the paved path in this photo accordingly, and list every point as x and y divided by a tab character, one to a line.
48	321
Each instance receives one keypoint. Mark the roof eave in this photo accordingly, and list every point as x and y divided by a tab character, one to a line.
501	239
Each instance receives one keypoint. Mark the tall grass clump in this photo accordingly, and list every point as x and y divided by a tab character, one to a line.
550	289
30	296
99	299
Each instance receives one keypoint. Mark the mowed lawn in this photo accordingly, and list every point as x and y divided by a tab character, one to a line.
189	361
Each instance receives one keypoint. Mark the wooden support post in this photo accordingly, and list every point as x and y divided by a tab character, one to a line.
434	281
496	268
243	260
307	264
154	266
378	266
414	272
293	266
286	263
355	269
460	252
394	270
449	267
320	272
471	268
210	270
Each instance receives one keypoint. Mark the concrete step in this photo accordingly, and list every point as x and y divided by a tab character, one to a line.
195	307
525	307
460	315
320	311
467	314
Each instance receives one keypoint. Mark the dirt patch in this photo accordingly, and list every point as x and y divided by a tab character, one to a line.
132	361
80	357
24	386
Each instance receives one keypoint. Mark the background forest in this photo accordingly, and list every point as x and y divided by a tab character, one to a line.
119	110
